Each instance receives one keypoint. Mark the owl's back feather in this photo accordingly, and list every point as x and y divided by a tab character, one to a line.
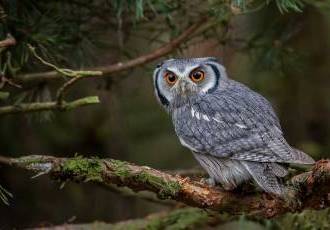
235	123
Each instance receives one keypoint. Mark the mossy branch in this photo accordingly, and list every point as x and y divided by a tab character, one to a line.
307	190
194	218
44	106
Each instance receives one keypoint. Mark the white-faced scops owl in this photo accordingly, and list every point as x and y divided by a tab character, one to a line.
232	131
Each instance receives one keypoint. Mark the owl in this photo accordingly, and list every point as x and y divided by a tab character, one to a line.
232	131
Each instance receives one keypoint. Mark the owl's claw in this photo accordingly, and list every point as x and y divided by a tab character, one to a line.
209	181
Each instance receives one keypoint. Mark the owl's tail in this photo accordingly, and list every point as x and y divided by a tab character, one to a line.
299	157
267	176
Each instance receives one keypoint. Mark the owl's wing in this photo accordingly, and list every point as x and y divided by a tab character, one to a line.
240	124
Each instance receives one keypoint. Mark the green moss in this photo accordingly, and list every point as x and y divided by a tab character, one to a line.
120	168
86	169
137	224
167	188
188	218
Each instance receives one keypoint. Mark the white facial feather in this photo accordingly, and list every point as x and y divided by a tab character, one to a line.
182	68
182	74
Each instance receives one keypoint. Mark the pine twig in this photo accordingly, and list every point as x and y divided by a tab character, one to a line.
120	66
306	191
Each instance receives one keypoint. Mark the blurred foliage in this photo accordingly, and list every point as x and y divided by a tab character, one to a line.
306	220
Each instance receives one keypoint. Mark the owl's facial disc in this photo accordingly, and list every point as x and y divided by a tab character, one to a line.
185	82
177	79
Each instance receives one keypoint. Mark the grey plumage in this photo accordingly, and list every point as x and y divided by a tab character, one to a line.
233	131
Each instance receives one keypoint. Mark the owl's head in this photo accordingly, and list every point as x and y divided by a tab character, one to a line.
178	79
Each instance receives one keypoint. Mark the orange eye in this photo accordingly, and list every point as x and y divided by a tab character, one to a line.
197	76
170	78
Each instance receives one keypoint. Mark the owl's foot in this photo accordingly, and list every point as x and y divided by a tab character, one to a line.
229	187
209	181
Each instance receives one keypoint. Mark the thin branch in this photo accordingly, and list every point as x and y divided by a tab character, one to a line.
9	41
305	191
75	75
60	92
43	106
121	66
64	72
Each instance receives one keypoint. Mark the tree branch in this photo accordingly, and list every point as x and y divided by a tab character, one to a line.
43	106
308	190
122	66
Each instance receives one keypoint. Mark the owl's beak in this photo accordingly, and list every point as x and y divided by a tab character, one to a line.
184	87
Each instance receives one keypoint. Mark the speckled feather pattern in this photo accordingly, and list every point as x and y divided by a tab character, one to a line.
234	134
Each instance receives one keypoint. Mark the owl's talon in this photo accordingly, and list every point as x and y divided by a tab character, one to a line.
209	181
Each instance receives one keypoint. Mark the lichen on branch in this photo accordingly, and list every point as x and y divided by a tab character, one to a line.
46	106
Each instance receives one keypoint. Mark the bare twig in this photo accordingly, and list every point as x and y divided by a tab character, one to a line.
43	106
120	66
63	88
64	72
306	191
74	74
4	81
9	41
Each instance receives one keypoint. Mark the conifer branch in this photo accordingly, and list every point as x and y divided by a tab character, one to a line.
306	191
120	66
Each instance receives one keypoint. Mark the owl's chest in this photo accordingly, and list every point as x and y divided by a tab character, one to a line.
202	129
193	127
190	117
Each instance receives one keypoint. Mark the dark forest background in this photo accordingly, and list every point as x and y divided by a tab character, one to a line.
278	48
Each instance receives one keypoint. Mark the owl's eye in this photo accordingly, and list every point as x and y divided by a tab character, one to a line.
197	76
170	78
